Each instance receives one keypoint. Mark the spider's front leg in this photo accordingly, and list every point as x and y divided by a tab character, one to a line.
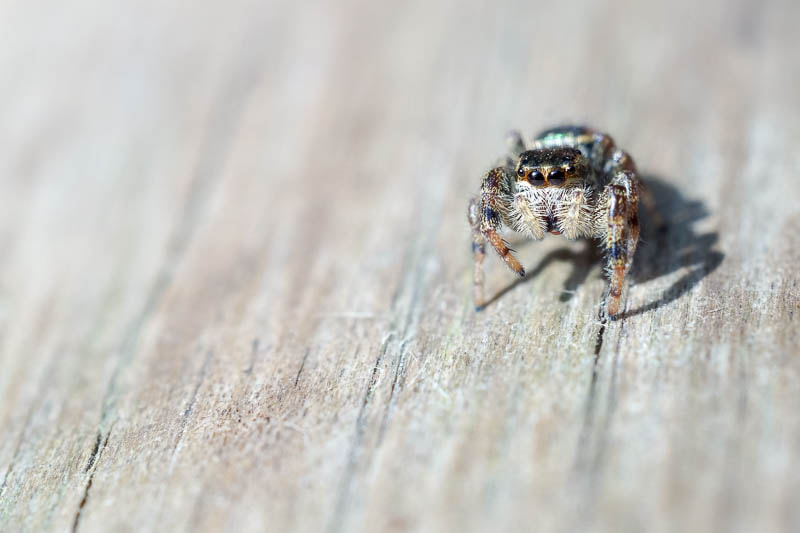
621	232
486	218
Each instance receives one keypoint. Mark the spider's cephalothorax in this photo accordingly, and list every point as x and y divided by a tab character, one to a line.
570	181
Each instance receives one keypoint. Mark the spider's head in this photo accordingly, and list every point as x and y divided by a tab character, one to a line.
551	167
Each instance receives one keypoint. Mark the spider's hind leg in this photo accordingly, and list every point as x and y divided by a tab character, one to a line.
515	142
621	233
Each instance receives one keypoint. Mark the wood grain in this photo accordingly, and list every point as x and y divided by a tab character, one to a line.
235	277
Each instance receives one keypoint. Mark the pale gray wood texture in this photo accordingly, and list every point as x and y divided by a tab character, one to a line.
235	275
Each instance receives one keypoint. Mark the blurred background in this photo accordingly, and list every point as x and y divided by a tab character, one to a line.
118	109
191	188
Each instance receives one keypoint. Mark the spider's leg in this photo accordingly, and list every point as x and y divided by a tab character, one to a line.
478	253
621	233
515	142
492	204
516	145
486	218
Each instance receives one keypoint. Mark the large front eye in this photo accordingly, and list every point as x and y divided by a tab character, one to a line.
536	178
556	177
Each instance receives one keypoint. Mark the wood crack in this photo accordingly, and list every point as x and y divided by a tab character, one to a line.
94	459
352	456
93	455
302	365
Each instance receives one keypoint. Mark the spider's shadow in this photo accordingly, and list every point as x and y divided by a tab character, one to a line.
665	246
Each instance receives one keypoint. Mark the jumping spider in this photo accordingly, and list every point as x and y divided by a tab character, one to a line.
570	181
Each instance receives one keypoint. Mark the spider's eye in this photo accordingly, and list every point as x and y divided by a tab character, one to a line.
556	177
536	178
570	168
521	172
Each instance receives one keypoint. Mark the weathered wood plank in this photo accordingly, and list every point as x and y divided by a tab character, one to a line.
235	285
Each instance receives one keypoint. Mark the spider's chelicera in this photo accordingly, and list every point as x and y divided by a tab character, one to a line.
571	181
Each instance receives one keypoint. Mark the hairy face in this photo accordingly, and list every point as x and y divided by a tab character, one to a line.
551	167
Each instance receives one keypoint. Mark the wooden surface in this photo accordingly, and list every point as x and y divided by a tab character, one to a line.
235	275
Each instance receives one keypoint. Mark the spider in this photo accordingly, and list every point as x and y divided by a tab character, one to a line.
571	181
